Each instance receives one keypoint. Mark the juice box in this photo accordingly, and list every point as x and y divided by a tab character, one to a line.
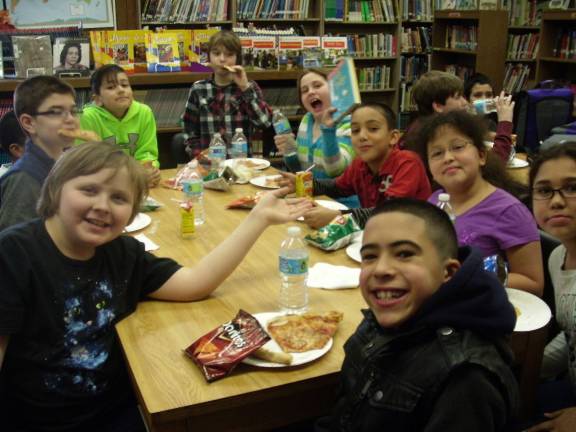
304	184
187	227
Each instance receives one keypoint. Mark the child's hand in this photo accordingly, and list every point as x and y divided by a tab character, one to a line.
285	143
320	216
504	107
560	421
326	120
275	209
288	181
239	76
152	173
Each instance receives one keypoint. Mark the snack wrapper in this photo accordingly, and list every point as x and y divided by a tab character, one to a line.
218	352
337	234
245	202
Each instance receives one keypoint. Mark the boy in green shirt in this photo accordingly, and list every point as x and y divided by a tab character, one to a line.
121	120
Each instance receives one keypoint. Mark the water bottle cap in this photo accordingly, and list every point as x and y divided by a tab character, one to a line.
238	130
294	231
444	197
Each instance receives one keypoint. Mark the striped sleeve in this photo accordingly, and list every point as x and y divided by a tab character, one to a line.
336	151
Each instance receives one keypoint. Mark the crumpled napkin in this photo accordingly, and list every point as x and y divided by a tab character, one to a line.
328	276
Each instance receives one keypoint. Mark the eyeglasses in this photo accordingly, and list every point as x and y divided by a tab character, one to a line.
455	147
60	113
567	191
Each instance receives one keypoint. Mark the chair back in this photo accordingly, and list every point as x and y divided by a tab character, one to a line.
178	148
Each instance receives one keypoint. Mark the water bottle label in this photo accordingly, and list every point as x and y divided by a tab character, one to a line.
293	266
192	187
240	147
218	153
282	127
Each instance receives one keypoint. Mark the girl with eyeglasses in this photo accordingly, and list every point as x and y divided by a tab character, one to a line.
487	216
553	189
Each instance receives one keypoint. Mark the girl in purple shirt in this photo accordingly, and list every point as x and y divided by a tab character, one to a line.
487	217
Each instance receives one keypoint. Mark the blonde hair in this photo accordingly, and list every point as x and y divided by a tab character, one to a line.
86	159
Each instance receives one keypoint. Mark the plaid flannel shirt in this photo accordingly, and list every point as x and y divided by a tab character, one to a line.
211	109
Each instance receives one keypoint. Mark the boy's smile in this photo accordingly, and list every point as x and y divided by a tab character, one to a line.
401	267
93	210
371	138
115	94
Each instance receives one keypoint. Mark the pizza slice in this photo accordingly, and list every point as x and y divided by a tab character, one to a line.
301	333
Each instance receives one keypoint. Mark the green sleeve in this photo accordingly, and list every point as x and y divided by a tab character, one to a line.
147	148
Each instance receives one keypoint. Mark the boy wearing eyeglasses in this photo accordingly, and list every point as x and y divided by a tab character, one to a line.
118	119
46	109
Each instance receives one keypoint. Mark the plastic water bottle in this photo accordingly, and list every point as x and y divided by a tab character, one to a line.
239	145
294	273
217	151
282	127
444	204
193	189
484	106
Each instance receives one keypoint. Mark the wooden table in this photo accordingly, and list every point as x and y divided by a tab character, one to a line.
172	391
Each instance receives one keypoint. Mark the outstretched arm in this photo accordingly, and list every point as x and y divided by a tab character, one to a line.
195	283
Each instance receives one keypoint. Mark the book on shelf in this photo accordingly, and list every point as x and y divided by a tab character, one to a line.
290	52
515	77
259	53
71	56
199	55
162	53
462	72
371	45
417	10
344	90
312	54
185	37
333	48
272	9
32	55
120	48
334	10
184	11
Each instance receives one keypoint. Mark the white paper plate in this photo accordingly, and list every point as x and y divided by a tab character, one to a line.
353	251
297	358
252	163
517	163
142	220
261	181
532	312
332	205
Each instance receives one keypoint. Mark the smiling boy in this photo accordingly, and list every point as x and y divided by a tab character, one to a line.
226	101
430	352
118	119
380	171
45	107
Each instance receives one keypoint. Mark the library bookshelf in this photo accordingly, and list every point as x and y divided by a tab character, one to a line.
556	57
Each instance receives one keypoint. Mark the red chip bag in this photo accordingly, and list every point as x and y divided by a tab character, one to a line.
218	352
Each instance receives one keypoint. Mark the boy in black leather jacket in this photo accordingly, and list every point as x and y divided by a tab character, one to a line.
430	353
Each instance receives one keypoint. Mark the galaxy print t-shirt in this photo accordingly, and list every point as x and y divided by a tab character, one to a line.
63	354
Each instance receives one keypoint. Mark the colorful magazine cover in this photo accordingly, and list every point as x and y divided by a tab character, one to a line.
139	41
344	91
199	54
312	54
121	49
162	52
333	48
259	53
290	52
184	47
96	46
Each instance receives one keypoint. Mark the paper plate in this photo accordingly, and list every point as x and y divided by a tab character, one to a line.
532	312
263	181
142	220
297	358
252	163
353	251
517	163
332	205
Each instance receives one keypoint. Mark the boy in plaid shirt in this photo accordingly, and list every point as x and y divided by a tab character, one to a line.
226	101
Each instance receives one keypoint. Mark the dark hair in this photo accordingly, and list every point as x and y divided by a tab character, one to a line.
383	109
31	93
439	227
106	72
477	78
11	132
435	86
229	40
305	72
86	159
64	51
474	128
558	151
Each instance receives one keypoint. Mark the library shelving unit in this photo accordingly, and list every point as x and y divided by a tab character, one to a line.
555	60
472	41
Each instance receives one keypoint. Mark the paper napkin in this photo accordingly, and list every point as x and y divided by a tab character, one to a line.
328	276
149	245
